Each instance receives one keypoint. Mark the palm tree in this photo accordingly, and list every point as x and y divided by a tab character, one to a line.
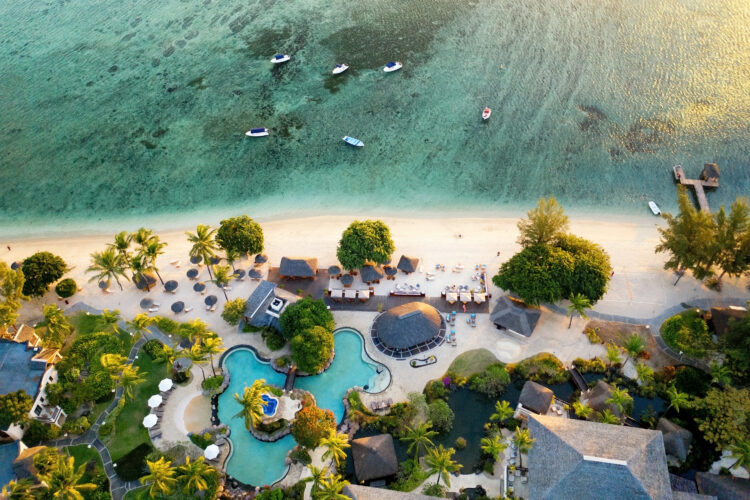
523	441
19	490
232	256
110	319
204	245
167	354
335	445
330	488
316	476
139	325
222	277
121	244
62	480
113	363
58	326
634	346
161	475
129	378
677	399
140	268
212	345
252	403
645	373
503	411
613	354
440	461
620	399
143	237
582	410
195	475
196	329
720	374
419	438
578	304
493	446
151	250
740	451
607	417
108	265
197	356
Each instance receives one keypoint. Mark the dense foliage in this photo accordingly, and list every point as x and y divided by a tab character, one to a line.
543	367
66	288
312	349
441	416
234	310
311	425
40	270
131	466
241	235
11	293
724	416
687	332
544	223
736	345
273	338
492	381
14	407
363	242
39	432
303	315
213	383
154	348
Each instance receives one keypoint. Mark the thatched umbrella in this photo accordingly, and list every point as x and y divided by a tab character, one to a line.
215	260
261	258
390	272
211	300
199	287
146	303
334	271
178	306
192	273
16	265
196	259
254	274
239	273
371	273
347	280
171	285
103	285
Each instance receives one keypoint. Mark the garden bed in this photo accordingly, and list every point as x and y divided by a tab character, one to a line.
617	333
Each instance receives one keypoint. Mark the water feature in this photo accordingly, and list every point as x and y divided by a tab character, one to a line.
260	463
593	101
270	404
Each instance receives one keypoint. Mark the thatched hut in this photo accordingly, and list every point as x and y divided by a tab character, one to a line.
298	268
374	458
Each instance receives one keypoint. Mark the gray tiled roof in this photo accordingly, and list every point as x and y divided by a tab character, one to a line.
514	316
536	397
258	301
303	267
374	457
408	325
588	460
723	487
676	439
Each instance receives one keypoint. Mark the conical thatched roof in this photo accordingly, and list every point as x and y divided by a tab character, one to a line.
408	325
536	397
515	316
408	264
374	457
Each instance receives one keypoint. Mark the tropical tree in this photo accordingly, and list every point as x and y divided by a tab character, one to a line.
62	481
677	399
317	474
740	452
722	416
140	324
161	475
523	441
234	310
58	327
142	237
121	244
167	355
578	305
582	410
303	315
113	363
252	403
335	444
231	256
634	346
241	235
204	245
108	265
544	223
312	349
19	490
311	425
39	271
141	268
11	292
14	407
645	373
607	417
222	277
363	242
212	345
620	399
493	446
732	242
111	319
197	355
613	354
151	250
721	374
130	377
440	461
194	475
330	488
419	438
503	411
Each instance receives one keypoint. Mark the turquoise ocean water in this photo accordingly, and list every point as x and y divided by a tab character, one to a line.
139	108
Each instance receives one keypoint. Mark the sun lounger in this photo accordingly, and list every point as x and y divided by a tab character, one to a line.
156	304
153	309
227	288
188	309
213	308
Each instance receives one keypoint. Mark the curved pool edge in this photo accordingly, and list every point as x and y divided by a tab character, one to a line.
369	359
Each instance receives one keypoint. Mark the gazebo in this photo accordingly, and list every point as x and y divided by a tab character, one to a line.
535	397
371	274
597	397
710	172
515	316
374	458
408	264
408	329
298	268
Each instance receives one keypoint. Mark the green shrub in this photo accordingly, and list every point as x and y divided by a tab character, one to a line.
66	288
301	455
77	426
274	494
40	270
132	465
106	429
491	381
595	365
312	349
153	348
166	325
593	335
234	311
201	441
272	427
434	490
435	389
408	477
441	416
687	332
213	383
38	432
276	391
274	339
460	443
248	328
543	367
282	361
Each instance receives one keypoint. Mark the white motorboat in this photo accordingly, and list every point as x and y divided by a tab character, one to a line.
486	113
257	132
340	68
352	141
280	58
654	208
392	66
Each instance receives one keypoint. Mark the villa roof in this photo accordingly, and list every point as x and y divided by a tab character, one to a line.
371	273
262	294
724	487
676	439
597	397
18	369
23	465
722	317
298	267
357	492
536	397
26	333
408	325
408	264
515	316
374	457
589	460
8	453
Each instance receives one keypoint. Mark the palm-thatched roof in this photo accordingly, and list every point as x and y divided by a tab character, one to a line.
408	325
721	317
370	273
588	460
676	439
408	264
357	492
710	171
536	397
597	397
298	267
23	465
374	457
515	316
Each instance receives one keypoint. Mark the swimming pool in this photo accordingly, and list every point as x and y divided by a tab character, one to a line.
260	463
269	406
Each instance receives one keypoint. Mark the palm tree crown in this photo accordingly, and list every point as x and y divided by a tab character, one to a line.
161	476
139	325
419	438
677	399
252	403
523	441
121	243
204	244
151	250
578	304
129	378
620	399
62	480
222	277
503	411
329	488
335	445
195	475
19	490
108	265
493	446
439	460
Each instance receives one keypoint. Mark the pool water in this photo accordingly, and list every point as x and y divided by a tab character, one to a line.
259	463
269	408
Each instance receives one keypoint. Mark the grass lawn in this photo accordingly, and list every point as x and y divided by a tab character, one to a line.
687	332
138	494
471	362
85	455
129	431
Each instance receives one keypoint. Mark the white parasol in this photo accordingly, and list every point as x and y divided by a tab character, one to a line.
154	400
165	384
150	420
211	452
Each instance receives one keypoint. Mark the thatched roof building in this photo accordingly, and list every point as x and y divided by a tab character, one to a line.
597	397
589	460
676	439
374	457
298	268
536	397
721	317
408	264
710	172
409	326
370	273
356	492
515	316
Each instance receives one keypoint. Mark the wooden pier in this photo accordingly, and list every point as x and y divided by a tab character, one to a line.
709	179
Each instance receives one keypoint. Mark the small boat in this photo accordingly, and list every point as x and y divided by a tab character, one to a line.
654	208
340	68
486	113
353	142
280	58
257	132
392	66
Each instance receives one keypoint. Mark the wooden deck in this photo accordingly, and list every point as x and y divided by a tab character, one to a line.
697	185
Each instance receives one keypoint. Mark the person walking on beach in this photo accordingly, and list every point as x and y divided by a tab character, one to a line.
9	248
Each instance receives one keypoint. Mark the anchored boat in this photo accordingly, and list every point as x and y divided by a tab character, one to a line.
340	68
393	66
257	132
280	58
654	208
486	113
353	141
